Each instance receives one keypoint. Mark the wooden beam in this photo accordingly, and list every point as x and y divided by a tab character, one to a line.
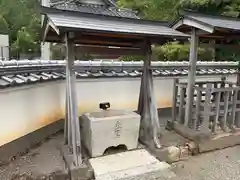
86	38
101	50
222	35
226	46
124	36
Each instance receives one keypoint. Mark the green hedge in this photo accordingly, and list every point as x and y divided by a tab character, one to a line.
173	51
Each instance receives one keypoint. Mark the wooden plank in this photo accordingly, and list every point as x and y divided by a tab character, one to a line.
182	104
182	85
234	107
207	109
198	106
225	46
225	89
105	50
224	120
124	36
217	104
140	99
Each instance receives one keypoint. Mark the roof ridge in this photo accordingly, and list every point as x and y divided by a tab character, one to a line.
89	5
127	10
189	13
111	2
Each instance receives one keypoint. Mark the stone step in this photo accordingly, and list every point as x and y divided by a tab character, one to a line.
130	165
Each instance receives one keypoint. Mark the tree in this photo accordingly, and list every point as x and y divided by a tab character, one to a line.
3	25
217	7
152	9
169	10
23	20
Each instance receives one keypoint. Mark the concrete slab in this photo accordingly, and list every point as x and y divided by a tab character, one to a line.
174	147
110	128
220	141
82	172
138	164
191	134
171	154
205	142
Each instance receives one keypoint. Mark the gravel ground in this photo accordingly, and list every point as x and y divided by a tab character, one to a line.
46	159
218	165
40	163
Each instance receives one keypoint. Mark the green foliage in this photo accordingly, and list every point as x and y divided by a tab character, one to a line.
3	25
152	9
21	20
219	7
169	9
173	51
59	53
132	58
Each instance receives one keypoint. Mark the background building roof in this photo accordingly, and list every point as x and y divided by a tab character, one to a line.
209	25
108	8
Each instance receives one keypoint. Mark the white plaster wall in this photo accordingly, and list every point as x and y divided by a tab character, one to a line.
28	108
24	110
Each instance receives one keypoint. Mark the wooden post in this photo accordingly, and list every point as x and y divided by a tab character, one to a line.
45	48
213	47
143	104
140	99
198	109
238	75
174	100
182	104
234	107
67	126
150	127
207	110
218	107
191	76
237	118
224	120
71	102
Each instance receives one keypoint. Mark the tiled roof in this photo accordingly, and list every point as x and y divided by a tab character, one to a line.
216	21
96	9
17	73
85	22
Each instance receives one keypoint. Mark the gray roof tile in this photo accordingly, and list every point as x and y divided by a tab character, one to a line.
3	83
96	9
120	25
87	69
216	21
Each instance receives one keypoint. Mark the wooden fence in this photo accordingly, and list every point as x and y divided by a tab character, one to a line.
216	106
